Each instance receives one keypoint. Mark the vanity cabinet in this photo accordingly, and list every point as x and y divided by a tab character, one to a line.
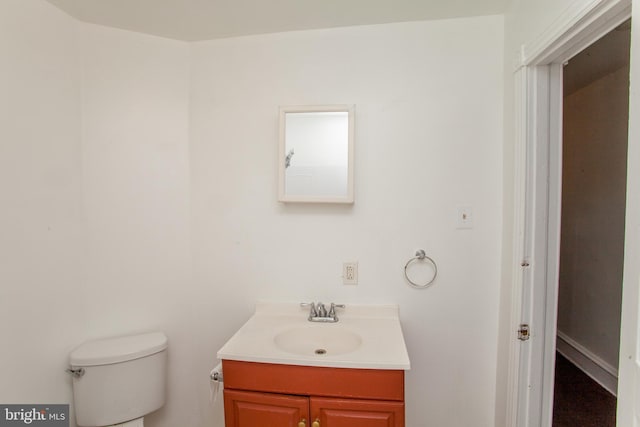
332	412
244	408
286	395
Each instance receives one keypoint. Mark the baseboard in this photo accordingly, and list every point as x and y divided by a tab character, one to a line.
596	368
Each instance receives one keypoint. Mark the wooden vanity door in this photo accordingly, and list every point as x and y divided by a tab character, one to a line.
252	409
357	413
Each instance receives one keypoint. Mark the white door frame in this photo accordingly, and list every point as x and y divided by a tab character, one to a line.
538	174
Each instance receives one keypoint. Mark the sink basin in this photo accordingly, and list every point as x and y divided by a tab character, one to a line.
366	337
318	340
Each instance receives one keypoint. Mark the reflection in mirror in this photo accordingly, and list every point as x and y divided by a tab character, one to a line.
316	154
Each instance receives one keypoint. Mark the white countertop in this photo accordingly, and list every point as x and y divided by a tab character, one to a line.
381	344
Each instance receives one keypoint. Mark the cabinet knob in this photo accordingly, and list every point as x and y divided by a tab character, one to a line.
316	423
302	423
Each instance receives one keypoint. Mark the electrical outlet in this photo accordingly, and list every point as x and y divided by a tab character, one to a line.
350	273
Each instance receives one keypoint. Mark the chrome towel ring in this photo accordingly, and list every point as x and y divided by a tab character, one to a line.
421	256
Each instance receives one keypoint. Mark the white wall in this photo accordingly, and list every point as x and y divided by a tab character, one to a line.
41	215
527	21
428	102
95	193
135	159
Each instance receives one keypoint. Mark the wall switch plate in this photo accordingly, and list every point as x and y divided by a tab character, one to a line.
350	273
464	217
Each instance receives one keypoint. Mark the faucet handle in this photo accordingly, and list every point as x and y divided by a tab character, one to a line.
332	310
313	312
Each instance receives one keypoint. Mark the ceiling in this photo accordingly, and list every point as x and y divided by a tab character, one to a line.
192	20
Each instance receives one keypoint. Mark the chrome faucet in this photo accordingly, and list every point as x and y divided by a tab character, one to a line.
313	312
318	312
322	310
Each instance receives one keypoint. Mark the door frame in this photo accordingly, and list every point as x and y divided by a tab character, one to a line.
537	202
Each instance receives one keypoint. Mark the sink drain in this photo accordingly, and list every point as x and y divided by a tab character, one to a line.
321	351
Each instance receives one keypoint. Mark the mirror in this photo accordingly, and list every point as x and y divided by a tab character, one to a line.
316	154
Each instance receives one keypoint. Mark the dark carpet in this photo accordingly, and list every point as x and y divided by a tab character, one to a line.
578	400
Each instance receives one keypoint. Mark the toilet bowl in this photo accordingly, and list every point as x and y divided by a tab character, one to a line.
138	422
119	380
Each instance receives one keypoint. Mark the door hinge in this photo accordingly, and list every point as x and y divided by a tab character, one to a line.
523	332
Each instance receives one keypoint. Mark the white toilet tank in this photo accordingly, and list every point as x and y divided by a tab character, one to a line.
119	379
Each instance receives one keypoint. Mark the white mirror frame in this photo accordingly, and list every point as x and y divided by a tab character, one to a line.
282	196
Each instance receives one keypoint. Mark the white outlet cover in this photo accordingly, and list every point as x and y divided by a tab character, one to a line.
350	273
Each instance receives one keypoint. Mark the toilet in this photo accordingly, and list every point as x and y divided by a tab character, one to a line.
119	380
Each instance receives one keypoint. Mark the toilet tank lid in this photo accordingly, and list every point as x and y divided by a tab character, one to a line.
118	349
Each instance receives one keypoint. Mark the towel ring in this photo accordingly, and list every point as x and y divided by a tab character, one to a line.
421	256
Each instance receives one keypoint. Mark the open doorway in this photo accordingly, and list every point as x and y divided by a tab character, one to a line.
594	159
537	219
